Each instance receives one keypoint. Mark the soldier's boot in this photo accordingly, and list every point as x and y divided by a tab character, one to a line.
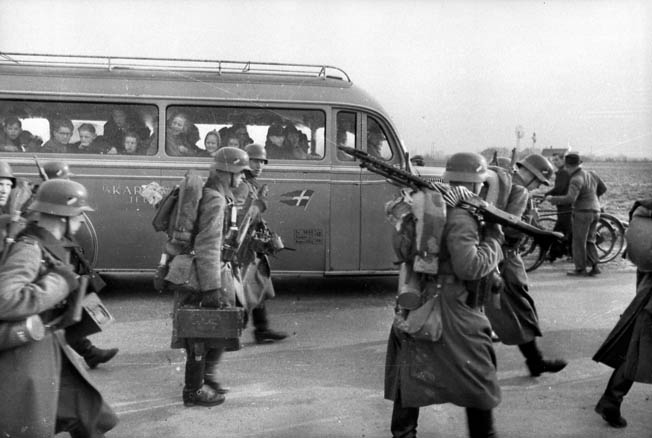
480	423
210	372
609	405
204	396
535	362
263	334
95	356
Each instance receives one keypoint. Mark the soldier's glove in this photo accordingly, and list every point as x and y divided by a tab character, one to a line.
494	231
70	276
213	298
159	277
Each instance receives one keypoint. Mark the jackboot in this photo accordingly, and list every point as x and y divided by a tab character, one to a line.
263	334
480	423
95	356
210	371
608	406
204	396
535	362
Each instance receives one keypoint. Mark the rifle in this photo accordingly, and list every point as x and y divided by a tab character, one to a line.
483	210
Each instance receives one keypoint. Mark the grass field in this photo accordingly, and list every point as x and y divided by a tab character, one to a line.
626	182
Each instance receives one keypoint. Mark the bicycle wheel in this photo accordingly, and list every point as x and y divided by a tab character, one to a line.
531	253
612	238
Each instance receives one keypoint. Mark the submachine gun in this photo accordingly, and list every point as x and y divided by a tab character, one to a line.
477	206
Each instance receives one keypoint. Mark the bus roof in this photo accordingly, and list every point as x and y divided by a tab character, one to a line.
179	79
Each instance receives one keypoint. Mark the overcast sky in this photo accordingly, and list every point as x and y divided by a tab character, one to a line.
454	75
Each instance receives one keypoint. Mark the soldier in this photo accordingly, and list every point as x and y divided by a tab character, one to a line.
7	182
254	264
201	386
93	355
464	354
44	388
513	314
628	348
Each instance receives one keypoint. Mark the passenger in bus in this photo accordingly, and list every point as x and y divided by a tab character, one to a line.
231	140
342	138
241	133
275	140
212	143
59	143
375	139
120	122
181	137
292	148
89	142
131	145
14	139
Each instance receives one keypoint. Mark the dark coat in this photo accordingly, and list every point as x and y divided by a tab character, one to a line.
630	341
515	321
214	209
30	392
460	367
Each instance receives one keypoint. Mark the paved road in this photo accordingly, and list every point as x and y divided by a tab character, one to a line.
326	379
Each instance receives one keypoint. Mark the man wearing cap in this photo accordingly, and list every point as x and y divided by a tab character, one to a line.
584	189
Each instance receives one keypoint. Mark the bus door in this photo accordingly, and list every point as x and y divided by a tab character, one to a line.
375	238
344	246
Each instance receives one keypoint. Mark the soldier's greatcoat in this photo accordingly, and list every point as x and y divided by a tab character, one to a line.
214	206
31	395
460	367
255	269
630	341
516	321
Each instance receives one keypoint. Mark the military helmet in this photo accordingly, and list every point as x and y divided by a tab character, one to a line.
61	197
466	167
639	239
7	173
539	166
232	160
57	170
256	151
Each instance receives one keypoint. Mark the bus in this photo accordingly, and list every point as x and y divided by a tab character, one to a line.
322	204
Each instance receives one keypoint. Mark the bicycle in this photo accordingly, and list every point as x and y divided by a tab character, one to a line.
610	235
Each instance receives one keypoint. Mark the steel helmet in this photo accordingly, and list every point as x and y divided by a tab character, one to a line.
6	173
539	166
466	167
61	197
639	239
256	151
232	160
57	170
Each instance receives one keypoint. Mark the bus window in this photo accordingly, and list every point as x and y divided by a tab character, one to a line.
345	133
77	127
377	144
289	134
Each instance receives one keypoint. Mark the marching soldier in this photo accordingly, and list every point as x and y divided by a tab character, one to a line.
215	208
44	388
628	347
93	355
464	353
514	317
255	268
